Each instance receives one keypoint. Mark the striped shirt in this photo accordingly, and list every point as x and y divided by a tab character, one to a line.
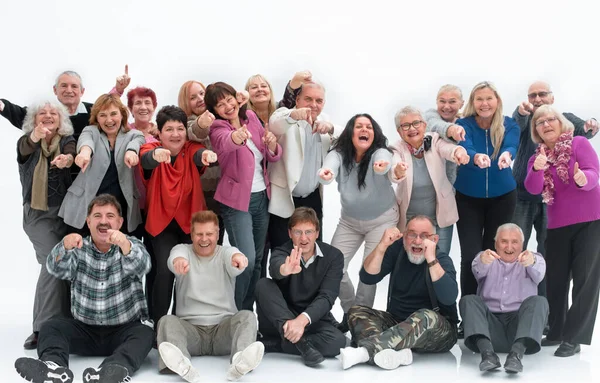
106	288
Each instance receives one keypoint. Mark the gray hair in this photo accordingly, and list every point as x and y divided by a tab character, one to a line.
422	217
509	227
545	110
405	112
71	73
65	127
314	84
450	88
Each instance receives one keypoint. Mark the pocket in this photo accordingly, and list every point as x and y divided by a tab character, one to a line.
229	188
76	190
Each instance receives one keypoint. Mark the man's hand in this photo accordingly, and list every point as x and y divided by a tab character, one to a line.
205	120
241	135
460	156
131	159
181	266
39	133
208	157
456	132
400	170
540	160
326	174
239	261
62	161
302	114
293	329
380	166
579	176
525	108
592	125
429	251
482	160
300	78
323	127
123	81
83	158
390	236
504	161
488	256
526	258
161	155
115	237
292	263
72	241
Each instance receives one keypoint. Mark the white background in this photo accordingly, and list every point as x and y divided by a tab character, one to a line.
372	56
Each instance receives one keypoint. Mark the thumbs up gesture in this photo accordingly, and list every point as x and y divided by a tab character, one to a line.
540	160
579	176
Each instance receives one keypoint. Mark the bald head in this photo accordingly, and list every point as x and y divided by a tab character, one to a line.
539	94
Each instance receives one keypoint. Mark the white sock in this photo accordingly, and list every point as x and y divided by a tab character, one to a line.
351	356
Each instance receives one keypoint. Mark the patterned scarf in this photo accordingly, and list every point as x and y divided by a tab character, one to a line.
559	158
425	146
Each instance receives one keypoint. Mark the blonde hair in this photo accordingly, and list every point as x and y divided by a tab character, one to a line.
546	110
184	94
450	88
271	107
497	126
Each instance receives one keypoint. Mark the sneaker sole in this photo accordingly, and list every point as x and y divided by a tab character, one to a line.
389	359
252	356
37	371
174	359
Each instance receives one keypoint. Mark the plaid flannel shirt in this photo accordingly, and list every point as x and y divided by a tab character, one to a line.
106	288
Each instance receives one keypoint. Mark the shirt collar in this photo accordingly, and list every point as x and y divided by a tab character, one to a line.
80	109
318	253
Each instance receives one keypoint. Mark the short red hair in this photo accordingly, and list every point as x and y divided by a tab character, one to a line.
141	92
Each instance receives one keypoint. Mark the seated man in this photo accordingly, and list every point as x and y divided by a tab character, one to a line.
294	307
108	303
207	321
421	277
506	315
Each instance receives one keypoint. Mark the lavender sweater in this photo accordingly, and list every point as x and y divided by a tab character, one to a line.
572	204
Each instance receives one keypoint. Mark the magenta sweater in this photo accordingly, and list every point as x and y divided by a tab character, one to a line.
572	204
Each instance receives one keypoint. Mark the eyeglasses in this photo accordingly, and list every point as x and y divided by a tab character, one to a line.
298	233
549	120
415	124
533	96
412	235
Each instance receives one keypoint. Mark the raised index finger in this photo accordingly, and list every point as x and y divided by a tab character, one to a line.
126	69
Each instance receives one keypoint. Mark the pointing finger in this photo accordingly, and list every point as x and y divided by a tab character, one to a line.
126	69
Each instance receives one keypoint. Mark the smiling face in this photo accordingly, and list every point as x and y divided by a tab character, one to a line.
413	136
509	244
173	136
485	102
109	120
363	134
50	118
69	90
196	99
100	220
259	91
313	98
448	105
142	109
539	94
204	238
228	108
416	231
304	235
549	128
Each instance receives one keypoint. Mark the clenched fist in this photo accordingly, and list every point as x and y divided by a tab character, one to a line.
326	174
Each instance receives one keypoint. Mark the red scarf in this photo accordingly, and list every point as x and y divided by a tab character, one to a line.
173	191
558	157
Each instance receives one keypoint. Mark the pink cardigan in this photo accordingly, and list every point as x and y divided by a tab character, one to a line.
237	161
445	210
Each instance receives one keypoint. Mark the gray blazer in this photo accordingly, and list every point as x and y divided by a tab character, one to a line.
85	187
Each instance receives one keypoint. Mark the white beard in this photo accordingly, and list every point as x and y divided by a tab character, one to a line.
416	259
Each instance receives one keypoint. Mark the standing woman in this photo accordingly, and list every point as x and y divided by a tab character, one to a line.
565	171
243	147
107	155
485	187
419	168
359	161
45	153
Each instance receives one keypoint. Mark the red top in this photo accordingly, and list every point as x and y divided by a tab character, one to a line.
173	191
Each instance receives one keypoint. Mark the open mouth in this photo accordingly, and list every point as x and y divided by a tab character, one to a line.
417	250
204	245
103	229
363	137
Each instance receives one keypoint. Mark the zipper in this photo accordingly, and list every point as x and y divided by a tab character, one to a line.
488	168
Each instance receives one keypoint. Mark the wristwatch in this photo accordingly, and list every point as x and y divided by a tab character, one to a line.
433	263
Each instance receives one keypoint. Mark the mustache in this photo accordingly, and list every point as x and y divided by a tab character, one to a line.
103	226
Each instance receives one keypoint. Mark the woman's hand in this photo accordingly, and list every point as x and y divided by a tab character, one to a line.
326	174
400	170
205	120
504	161
131	159
579	176
241	135
482	160
460	156
208	157
540	160
161	155
83	158
62	161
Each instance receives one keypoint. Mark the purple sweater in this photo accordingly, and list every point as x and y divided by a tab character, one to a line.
572	204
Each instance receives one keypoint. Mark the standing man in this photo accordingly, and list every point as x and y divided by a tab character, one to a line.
108	304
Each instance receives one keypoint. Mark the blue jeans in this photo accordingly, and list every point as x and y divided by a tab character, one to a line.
528	214
445	240
248	231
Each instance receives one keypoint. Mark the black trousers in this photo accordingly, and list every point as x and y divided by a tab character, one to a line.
273	311
477	225
278	226
126	345
160	279
573	252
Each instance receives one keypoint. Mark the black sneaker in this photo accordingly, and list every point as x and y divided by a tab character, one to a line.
309	353
39	371
109	373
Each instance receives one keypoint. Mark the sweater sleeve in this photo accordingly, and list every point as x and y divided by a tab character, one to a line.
15	114
329	288
587	158
446	288
436	124
579	125
387	265
178	251
468	143
333	161
278	257
383	155
511	137
522	121
228	254
534	181
26	147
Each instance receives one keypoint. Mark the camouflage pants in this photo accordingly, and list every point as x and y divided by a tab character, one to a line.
423	331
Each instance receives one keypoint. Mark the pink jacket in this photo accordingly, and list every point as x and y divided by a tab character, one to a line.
237	161
435	158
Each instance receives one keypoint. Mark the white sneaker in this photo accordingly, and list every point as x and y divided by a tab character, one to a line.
177	362
245	361
390	359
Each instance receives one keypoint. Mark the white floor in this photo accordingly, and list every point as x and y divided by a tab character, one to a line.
17	282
